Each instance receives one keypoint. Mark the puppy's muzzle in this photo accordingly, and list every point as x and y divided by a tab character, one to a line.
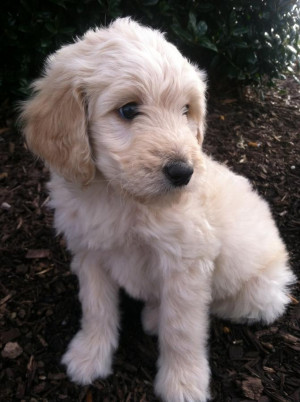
178	173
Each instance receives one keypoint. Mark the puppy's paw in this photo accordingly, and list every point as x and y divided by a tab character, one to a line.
177	385
88	358
150	318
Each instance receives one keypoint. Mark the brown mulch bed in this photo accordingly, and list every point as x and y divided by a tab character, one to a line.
39	310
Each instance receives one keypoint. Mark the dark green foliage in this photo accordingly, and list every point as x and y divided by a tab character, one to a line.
32	29
234	39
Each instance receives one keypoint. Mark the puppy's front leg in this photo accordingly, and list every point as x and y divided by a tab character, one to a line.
89	354
183	374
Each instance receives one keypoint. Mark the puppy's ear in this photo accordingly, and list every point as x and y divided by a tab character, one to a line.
55	124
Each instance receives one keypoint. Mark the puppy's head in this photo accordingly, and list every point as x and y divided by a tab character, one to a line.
122	102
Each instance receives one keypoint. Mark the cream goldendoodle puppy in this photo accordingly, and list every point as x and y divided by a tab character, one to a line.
119	118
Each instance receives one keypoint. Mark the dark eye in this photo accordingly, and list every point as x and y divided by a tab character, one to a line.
186	109
129	111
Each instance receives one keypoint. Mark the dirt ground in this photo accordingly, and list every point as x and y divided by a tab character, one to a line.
39	309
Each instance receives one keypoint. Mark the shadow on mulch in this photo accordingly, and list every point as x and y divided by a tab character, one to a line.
39	310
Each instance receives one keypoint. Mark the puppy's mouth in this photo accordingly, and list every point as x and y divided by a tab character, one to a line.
166	184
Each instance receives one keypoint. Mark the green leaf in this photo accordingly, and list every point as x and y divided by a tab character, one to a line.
205	42
240	31
201	28
181	33
296	78
252	58
241	45
291	49
193	22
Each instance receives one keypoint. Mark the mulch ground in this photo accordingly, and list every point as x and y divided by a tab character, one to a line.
39	310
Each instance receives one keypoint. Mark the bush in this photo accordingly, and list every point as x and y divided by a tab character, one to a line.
34	28
236	40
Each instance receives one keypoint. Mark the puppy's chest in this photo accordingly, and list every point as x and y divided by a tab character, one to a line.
130	234
134	266
109	227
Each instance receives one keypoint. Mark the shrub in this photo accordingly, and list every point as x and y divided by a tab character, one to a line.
34	28
237	40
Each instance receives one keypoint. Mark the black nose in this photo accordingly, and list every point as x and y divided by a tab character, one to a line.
179	173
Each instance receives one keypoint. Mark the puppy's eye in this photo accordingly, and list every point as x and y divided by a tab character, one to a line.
129	111
186	110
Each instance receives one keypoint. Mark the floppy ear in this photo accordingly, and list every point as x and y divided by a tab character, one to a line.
55	125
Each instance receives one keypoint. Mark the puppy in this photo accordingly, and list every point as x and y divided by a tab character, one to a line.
119	118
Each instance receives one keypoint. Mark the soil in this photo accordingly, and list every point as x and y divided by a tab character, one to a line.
39	309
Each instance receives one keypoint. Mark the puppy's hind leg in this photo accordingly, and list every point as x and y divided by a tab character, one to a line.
263	297
89	354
